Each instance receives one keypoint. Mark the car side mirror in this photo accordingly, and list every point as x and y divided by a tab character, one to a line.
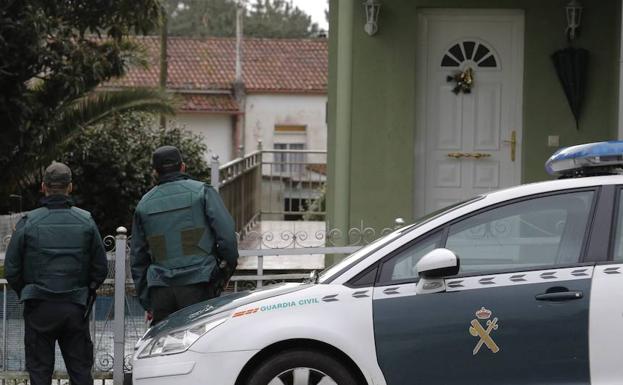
433	268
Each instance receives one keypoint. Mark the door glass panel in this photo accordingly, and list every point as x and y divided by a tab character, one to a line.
618	236
543	231
402	265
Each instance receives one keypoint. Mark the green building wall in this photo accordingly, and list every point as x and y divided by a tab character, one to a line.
380	181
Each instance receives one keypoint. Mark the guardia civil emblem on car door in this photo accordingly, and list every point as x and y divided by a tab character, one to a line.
478	330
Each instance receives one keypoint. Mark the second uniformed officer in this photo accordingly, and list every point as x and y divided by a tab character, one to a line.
184	244
55	260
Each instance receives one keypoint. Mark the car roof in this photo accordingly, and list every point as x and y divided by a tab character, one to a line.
552	185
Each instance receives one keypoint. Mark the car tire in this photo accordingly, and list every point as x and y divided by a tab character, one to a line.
312	365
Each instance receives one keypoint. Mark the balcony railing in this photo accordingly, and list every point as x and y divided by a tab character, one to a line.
239	184
273	185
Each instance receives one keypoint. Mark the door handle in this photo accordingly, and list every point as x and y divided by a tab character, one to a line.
513	144
559	296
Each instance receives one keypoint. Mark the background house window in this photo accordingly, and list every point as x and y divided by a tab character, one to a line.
290	137
289	162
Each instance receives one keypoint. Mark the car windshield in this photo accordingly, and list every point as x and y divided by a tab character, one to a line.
334	271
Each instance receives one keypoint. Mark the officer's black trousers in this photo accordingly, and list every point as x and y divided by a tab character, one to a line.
167	300
47	322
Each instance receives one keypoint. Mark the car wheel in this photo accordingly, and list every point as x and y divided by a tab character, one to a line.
301	367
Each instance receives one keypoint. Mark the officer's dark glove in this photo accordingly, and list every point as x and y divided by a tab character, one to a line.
90	300
228	271
93	289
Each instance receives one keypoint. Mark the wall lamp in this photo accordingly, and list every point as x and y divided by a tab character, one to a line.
372	7
574	17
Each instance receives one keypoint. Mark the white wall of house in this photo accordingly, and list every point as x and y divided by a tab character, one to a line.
216	130
265	111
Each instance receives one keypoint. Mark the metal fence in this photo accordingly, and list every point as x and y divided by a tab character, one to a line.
272	185
7	225
239	184
117	320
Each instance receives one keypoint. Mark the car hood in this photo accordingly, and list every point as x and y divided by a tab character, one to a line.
221	304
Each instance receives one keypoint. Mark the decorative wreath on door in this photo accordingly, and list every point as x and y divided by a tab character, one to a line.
464	81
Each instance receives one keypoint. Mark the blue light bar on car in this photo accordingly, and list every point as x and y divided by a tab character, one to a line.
587	159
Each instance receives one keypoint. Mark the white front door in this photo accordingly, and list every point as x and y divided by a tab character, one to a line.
468	137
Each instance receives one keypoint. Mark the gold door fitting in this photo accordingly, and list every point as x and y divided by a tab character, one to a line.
513	143
456	155
473	155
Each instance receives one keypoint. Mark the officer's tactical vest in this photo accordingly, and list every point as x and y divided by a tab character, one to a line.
174	220
57	255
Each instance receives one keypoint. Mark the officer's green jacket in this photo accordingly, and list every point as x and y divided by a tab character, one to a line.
180	233
56	253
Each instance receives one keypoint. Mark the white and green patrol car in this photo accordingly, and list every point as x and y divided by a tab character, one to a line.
519	286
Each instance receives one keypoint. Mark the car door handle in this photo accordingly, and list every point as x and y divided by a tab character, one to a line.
560	296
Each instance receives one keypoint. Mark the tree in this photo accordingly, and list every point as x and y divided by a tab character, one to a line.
278	19
111	164
266	18
201	18
84	112
52	55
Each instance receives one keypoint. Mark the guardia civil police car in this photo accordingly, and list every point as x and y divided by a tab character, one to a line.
519	286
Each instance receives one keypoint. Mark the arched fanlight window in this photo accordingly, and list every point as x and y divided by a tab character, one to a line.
474	51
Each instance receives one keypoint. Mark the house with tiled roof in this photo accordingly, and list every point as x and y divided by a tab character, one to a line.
282	103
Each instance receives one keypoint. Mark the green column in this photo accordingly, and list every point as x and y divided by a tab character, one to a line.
341	147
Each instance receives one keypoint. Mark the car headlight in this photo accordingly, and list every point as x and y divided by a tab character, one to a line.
179	340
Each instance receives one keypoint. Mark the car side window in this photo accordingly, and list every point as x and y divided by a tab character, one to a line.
542	231
365	279
618	236
401	266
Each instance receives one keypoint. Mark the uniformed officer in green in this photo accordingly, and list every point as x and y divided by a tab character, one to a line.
54	260
184	246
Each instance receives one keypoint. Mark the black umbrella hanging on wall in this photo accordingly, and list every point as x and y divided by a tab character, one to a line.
571	65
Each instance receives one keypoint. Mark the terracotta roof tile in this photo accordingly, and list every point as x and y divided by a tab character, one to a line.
269	65
209	103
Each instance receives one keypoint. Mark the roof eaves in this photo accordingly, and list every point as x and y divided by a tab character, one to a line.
286	91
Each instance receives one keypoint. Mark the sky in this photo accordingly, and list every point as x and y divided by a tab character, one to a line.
314	8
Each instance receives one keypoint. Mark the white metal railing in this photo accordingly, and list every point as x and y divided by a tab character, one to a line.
298	177
272	185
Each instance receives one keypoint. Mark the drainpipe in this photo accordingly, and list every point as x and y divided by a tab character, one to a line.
164	61
343	118
620	111
239	90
